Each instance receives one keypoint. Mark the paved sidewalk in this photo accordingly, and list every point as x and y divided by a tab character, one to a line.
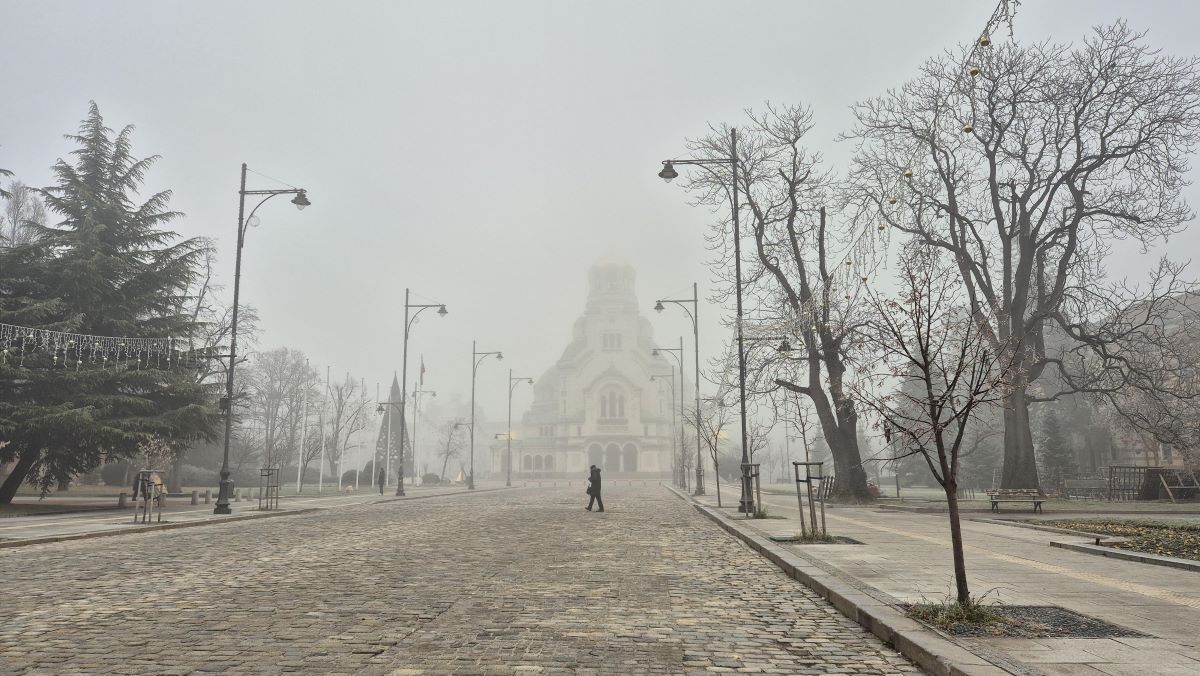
907	557
24	529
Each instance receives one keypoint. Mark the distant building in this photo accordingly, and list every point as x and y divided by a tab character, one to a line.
597	405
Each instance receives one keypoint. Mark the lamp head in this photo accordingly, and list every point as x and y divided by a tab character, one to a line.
499	356
655	353
442	311
658	306
301	200
379	408
785	346
668	172
530	381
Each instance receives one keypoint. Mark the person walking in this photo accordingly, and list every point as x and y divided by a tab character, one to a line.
594	490
382	481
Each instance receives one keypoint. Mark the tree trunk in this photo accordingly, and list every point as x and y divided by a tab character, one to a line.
1020	464
717	480
174	485
851	485
17	476
956	544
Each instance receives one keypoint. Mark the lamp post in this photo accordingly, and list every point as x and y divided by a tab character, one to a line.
408	322
694	314
746	504
416	415
512	384
476	359
674	424
677	353
387	453
300	199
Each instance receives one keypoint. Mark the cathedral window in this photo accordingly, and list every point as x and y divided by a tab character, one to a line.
610	341
612	404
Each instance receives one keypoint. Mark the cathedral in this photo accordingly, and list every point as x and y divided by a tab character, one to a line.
597	405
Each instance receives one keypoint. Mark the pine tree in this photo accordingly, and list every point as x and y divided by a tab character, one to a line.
1058	460
109	268
3	193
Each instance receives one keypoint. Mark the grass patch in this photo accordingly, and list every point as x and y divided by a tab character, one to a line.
1162	538
26	509
760	512
947	614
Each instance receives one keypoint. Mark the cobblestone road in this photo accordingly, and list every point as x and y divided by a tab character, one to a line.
508	582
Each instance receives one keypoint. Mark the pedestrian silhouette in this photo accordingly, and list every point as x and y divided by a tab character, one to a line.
382	481
594	489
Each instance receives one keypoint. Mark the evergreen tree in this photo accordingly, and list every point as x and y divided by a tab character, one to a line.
109	268
1058	460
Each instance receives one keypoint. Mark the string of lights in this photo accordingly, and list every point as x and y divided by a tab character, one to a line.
77	349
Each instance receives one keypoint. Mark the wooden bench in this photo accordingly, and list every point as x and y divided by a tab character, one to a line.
1088	489
998	495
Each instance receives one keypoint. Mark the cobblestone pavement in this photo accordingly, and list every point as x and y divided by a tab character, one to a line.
509	582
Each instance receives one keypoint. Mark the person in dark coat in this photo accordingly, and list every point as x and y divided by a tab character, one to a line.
594	490
382	481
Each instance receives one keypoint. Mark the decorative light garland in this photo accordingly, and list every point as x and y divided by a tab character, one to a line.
76	349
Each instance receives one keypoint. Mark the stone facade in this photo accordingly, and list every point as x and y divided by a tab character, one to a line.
597	404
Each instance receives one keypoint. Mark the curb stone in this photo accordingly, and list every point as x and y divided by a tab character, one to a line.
8	544
398	498
1129	555
930	650
24	542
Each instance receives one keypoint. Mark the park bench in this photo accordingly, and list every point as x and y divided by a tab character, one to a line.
998	495
1088	489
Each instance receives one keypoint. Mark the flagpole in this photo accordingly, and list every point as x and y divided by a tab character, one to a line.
324	405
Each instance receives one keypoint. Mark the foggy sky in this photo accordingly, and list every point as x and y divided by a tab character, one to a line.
485	154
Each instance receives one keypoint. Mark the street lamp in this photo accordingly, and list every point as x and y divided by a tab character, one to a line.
300	199
416	415
387	453
512	384
408	322
694	314
677	353
680	477
746	504
476	359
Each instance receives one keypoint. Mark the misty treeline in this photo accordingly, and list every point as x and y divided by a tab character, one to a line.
999	177
87	256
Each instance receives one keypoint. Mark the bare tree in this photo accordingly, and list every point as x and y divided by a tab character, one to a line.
711	420
1024	162
934	367
349	414
687	460
278	382
797	275
22	216
451	444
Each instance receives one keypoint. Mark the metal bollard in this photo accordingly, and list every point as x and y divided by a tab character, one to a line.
195	497
208	496
237	495
121	500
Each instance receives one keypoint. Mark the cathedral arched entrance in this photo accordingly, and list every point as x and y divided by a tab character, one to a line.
612	458
595	455
629	458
